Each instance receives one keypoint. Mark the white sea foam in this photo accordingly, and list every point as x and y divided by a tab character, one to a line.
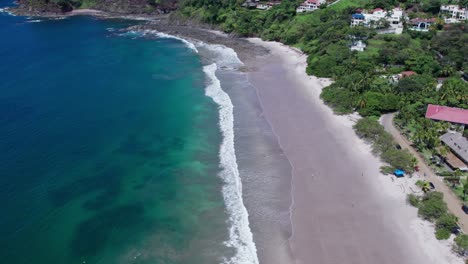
189	44
240	235
224	57
156	33
34	21
6	11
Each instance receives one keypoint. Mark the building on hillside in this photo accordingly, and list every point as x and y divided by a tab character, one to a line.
440	82
250	4
309	6
453	13
378	17
394	79
404	74
419	24
357	19
264	6
458	144
358	45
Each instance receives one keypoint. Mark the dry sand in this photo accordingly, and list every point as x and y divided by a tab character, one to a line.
343	209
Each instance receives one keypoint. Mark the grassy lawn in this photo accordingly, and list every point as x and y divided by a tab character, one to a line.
343	4
372	49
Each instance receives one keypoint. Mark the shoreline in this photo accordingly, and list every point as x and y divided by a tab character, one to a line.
367	189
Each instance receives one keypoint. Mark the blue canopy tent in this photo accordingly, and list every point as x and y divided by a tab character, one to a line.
399	173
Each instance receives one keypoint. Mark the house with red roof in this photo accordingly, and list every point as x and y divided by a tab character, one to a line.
449	114
457	158
309	6
404	74
378	9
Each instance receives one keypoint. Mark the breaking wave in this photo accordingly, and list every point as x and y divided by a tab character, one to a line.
240	235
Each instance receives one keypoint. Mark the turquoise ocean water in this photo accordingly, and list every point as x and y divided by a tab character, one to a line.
108	147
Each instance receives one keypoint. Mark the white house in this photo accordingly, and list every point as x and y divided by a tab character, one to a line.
358	45
263	6
309	6
420	24
376	16
454	13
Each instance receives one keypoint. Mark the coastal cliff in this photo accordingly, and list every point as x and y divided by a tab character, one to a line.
110	6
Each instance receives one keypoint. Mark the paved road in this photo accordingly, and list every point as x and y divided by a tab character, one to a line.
454	204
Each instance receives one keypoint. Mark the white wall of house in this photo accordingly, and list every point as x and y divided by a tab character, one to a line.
454	13
394	17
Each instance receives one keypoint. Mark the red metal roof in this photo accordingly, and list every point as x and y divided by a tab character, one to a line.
445	113
423	20
407	73
377	9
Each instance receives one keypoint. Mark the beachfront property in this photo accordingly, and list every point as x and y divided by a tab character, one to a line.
456	116
421	24
453	13
457	158
309	6
379	18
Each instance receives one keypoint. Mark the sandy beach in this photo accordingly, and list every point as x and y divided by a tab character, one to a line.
343	210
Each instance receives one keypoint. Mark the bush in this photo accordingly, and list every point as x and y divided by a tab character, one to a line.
340	99
387	170
461	244
432	206
442	234
368	128
447	221
400	159
413	200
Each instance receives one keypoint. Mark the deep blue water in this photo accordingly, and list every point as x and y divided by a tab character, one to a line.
108	147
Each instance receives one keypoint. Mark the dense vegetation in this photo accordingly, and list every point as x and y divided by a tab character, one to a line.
432	207
383	144
325	36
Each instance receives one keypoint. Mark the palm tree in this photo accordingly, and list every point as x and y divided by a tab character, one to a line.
447	71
